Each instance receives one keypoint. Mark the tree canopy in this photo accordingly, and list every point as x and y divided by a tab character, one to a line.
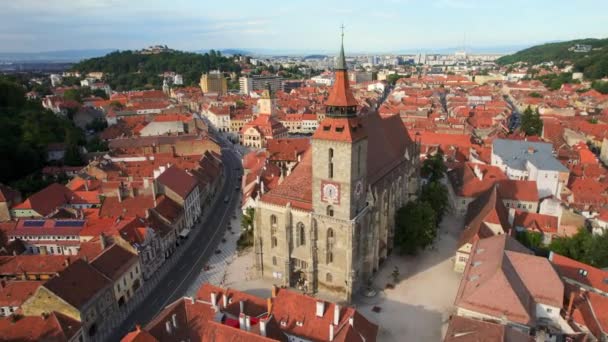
434	167
126	70
531	122
584	247
593	64
415	227
26	129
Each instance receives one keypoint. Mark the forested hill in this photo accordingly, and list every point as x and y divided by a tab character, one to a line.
128	70
594	64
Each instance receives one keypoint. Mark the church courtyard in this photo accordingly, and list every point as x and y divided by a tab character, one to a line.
416	309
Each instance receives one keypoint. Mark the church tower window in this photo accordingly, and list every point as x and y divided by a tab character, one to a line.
330	211
330	246
300	234
331	163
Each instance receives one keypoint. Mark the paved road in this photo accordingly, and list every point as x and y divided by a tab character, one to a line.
175	284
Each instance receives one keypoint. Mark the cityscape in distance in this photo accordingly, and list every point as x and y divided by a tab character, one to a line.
396	170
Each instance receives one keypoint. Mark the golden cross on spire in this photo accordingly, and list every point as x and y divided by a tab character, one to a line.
342	28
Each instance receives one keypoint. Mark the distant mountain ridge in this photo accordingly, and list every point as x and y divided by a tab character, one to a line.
593	63
54	56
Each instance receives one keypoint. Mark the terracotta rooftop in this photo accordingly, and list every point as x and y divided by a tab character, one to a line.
296	188
504	279
462	329
54	328
14	293
178	180
114	261
78	283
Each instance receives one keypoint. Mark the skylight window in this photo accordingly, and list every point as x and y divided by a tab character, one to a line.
582	272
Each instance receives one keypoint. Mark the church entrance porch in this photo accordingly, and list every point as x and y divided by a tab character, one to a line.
298	278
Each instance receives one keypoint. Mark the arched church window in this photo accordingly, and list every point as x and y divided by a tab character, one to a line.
330	164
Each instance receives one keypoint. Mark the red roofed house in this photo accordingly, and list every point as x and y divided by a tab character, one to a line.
340	199
181	187
124	270
45	201
463	329
219	314
8	198
505	283
51	327
14	293
486	217
80	292
544	224
588	295
265	126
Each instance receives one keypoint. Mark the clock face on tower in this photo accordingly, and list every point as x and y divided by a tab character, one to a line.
330	192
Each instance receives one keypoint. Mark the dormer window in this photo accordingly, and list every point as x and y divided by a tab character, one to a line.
326	128
583	272
283	323
340	129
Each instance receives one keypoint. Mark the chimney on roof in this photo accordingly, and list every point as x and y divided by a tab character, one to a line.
241	306
213	299
477	172
269	305
263	323
320	308
351	321
336	314
248	323
511	216
225	300
531	150
242	321
331	332
273	291
102	241
66	262
119	195
570	304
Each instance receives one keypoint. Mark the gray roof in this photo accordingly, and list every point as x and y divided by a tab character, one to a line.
515	153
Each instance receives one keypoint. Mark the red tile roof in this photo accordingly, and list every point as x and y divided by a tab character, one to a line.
504	279
340	94
466	180
535	222
574	270
296	188
54	328
178	180
518	190
340	129
487	208
114	261
78	283
14	293
32	264
127	207
48	199
463	329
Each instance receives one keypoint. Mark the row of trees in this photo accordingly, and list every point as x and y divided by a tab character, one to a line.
417	222
583	246
128	70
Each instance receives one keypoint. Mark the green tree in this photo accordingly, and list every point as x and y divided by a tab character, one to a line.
434	167
436	194
530	239
73	95
415	227
72	156
601	86
531	122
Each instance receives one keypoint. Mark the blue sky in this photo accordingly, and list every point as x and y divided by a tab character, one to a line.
303	25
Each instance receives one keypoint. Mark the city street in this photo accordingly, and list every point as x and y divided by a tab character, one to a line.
201	245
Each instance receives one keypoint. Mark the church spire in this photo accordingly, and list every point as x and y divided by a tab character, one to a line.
341	62
341	101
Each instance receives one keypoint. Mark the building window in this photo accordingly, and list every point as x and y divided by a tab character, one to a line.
301	234
359	161
274	261
331	163
330	246
328	278
273	236
330	211
273	220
